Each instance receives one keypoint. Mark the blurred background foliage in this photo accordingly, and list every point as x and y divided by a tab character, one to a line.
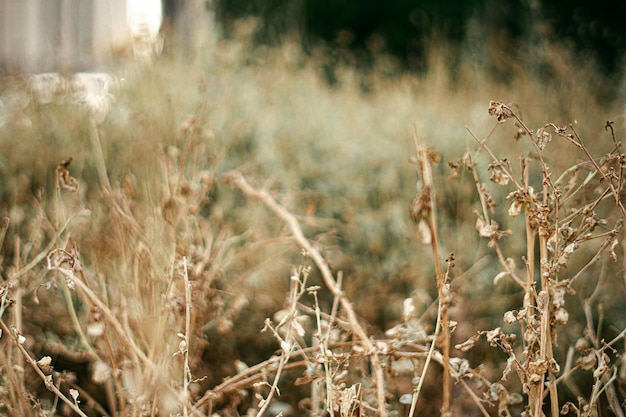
594	27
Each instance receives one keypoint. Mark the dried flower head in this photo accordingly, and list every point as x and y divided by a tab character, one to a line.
500	110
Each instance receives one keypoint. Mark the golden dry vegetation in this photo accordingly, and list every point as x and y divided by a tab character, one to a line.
242	234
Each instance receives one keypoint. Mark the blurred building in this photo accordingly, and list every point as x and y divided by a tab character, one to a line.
75	35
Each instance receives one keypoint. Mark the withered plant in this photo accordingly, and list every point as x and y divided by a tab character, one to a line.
227	242
563	213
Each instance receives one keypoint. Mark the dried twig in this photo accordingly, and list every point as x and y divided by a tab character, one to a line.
238	180
47	379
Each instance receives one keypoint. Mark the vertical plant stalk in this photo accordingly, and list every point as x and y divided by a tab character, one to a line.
288	343
100	162
535	394
186	368
423	209
238	180
322	342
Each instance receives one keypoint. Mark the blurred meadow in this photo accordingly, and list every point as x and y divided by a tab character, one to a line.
112	212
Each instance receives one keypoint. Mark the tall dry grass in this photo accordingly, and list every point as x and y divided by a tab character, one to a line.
235	190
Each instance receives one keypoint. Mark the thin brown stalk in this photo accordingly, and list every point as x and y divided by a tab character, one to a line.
237	179
115	375
47	379
288	344
578	142
96	144
186	368
424	207
122	331
474	397
429	356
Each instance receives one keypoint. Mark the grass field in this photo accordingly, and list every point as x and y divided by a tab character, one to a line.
242	235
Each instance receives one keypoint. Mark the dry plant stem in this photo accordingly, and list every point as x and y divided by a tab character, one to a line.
100	164
186	368
288	342
501	258
76	323
254	373
535	394
4	226
115	376
322	342
474	398
47	379
579	144
17	400
611	395
431	352
483	144
603	380
41	255
92	402
442	286
123	334
237	179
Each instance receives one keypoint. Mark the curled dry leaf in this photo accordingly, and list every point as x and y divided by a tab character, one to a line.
500	110
509	367
498	174
499	277
515	209
603	366
45	364
543	138
493	336
421	207
63	177
587	362
569	407
468	344
509	317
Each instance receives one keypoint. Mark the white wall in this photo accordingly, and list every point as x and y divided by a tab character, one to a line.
72	35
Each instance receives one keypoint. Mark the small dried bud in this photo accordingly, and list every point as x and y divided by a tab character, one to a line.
509	317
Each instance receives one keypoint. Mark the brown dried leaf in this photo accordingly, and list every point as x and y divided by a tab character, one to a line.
468	344
500	110
498	174
543	138
63	177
